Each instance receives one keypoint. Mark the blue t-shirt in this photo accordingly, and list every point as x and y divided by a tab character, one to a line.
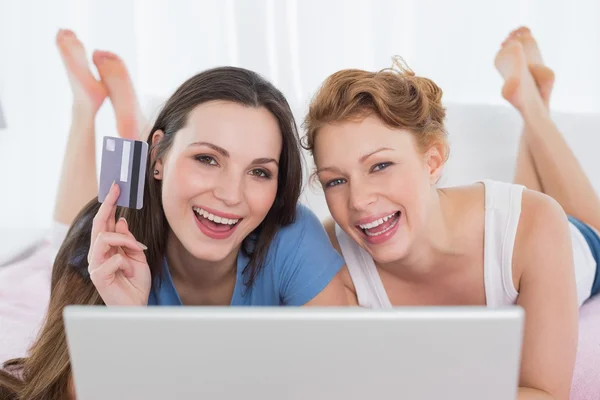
299	264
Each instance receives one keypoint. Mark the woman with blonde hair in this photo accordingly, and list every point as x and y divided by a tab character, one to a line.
379	145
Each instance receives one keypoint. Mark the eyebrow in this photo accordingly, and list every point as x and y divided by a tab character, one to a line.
330	169
225	153
265	161
216	148
361	159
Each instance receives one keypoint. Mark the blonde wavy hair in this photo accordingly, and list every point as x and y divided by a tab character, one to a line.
398	97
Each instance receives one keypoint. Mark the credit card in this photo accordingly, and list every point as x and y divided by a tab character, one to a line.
123	162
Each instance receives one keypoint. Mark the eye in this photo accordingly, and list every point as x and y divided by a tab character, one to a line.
260	173
380	166
208	160
334	182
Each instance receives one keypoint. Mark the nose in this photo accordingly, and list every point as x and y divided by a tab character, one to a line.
230	189
361	196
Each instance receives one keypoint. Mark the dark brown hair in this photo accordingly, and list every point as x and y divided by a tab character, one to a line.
45	374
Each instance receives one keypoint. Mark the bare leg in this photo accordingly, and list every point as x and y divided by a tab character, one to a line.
78	184
131	123
526	173
560	174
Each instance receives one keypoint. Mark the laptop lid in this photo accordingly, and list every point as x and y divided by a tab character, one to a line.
294	353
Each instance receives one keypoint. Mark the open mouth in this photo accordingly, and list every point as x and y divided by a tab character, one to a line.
215	223
380	226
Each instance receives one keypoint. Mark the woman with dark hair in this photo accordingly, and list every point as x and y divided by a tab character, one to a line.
25	280
221	224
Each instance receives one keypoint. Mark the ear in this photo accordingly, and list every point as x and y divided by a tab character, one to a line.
435	160
158	164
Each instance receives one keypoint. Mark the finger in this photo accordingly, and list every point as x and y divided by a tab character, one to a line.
122	227
104	275
112	219
106	210
105	241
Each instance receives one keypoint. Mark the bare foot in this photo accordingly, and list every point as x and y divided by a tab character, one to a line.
130	120
543	76
519	88
88	92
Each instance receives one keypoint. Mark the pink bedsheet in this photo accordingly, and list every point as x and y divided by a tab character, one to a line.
24	295
586	378
25	290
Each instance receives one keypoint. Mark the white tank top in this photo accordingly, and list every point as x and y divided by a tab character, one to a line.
502	212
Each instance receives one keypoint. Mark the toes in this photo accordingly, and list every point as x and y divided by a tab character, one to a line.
104	61
520	32
99	56
512	42
67	32
64	35
516	34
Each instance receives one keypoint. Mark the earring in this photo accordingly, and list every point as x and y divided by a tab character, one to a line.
156	172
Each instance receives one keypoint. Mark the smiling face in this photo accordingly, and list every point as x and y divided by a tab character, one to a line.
220	177
378	184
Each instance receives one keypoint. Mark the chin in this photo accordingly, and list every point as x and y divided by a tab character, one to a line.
392	250
206	252
385	257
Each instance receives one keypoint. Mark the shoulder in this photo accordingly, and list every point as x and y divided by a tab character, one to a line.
306	221
543	231
329	225
305	234
541	216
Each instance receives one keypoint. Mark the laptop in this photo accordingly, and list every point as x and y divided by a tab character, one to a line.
152	353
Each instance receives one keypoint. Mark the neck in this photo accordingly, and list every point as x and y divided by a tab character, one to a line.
202	275
433	247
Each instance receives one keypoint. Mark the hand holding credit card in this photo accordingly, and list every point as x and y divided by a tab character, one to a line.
117	264
123	162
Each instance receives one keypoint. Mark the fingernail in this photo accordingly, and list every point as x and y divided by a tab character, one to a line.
112	185
142	246
124	220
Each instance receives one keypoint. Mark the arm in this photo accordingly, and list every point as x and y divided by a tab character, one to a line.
334	294
547	292
349	288
308	266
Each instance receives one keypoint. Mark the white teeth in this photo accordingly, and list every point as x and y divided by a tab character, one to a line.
214	218
383	231
376	223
